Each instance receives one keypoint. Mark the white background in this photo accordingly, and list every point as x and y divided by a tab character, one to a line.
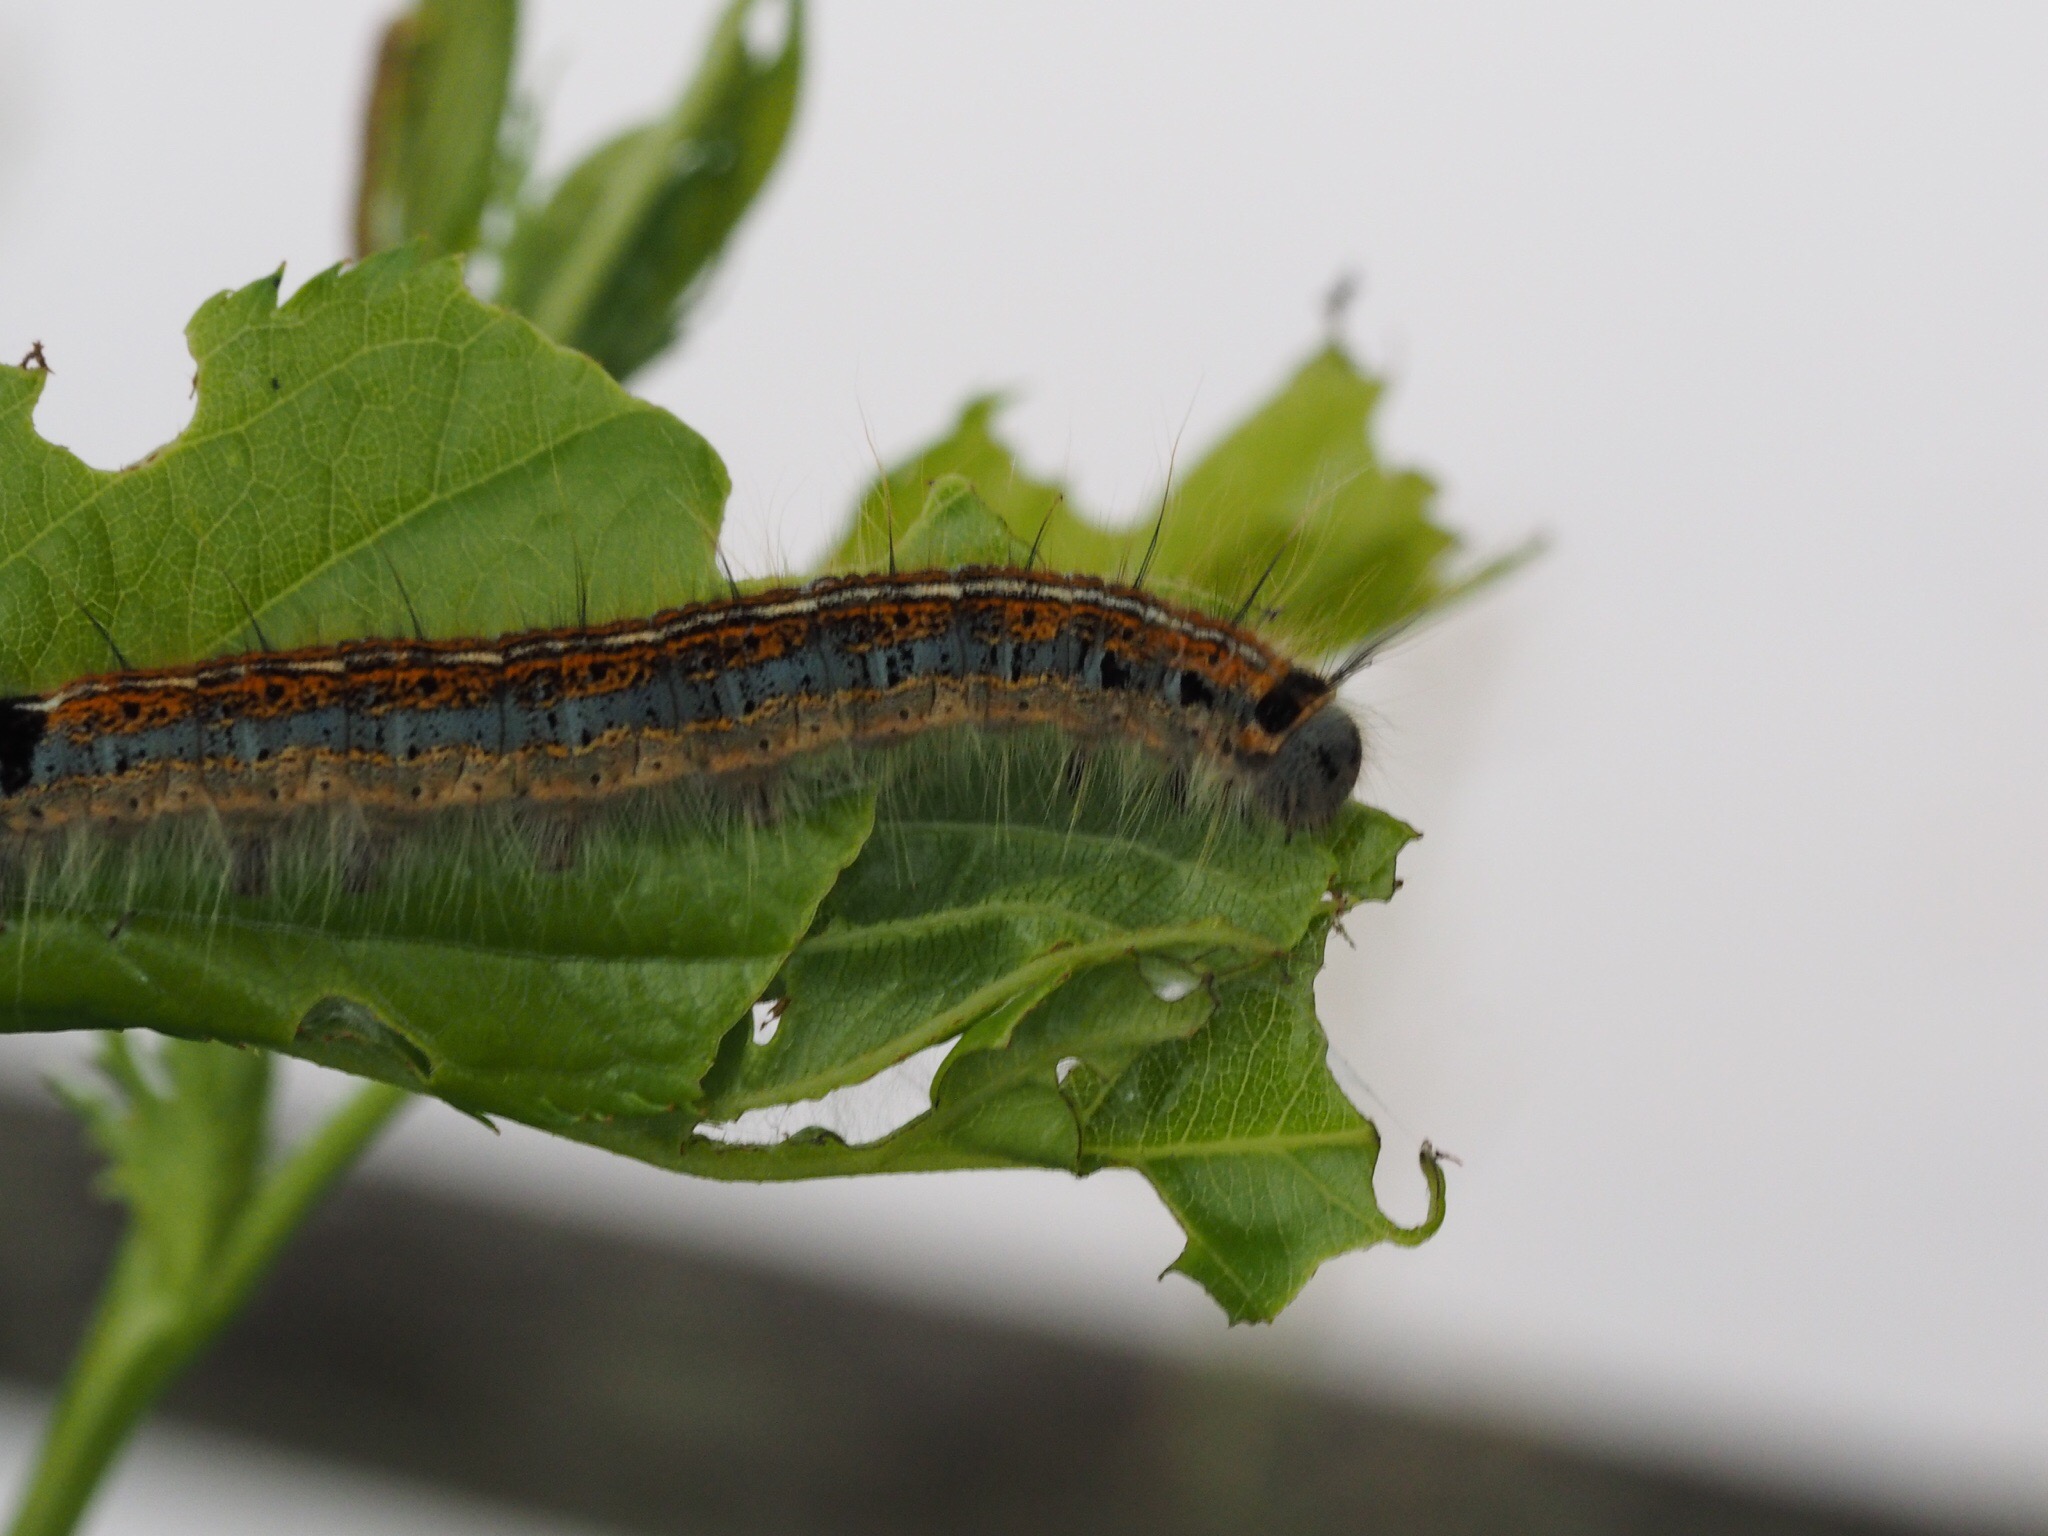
1723	962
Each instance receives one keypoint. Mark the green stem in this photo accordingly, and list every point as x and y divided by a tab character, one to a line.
144	1333
294	1187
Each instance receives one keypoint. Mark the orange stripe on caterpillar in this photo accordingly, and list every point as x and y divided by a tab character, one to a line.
727	689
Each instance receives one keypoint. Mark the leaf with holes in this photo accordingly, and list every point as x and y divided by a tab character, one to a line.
379	450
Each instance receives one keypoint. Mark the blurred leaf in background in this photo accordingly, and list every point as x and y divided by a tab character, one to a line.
185	1129
432	128
1298	486
610	263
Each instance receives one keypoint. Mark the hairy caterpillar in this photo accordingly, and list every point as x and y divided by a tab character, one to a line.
729	690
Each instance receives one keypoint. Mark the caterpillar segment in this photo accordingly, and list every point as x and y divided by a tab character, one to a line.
729	690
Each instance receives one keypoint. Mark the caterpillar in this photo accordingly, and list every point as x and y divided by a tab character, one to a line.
727	690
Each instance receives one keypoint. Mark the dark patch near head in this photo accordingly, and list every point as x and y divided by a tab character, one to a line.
1308	780
1288	700
21	730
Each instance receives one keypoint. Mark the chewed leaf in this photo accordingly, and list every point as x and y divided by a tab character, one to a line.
465	971
1247	1137
379	449
1297	485
995	872
1006	1102
1299	479
992	1107
1119	947
1367	843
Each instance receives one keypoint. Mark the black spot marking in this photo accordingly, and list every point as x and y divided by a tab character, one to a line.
1195	692
1287	700
21	730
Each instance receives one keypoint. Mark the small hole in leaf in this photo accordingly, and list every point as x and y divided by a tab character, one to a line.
1066	1065
767	1019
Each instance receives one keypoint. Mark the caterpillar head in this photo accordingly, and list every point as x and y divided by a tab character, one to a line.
1306	782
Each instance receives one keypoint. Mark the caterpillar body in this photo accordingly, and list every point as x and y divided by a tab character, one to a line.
728	690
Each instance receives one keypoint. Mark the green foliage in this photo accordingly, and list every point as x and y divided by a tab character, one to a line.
609	263
382	445
185	1135
1121	962
431	131
183	1158
1251	1143
992	876
602	989
1298	479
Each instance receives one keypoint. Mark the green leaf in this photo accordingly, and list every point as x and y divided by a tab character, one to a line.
995	873
381	448
431	131
384	450
608	265
997	1101
185	1133
182	1155
1298	479
467	971
418	454
972	452
1251	1143
956	528
1003	1095
1367	842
